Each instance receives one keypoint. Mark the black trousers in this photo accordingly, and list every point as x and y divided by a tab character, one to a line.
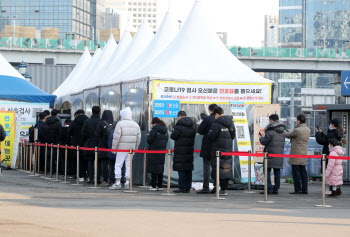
300	178
223	184
185	180
157	180
72	162
102	168
206	173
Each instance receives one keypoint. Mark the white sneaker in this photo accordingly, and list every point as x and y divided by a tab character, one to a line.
152	189
159	189
223	193
328	192
127	185
116	186
81	179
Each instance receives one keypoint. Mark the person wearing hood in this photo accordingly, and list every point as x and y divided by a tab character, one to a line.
336	131
52	134
299	139
184	135
127	135
274	144
334	172
221	134
103	131
77	140
88	133
157	140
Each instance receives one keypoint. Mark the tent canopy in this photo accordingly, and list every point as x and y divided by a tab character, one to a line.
14	87
197	54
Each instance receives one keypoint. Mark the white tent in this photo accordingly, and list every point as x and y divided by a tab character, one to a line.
79	82
70	80
7	69
165	34
138	44
108	69
197	54
104	60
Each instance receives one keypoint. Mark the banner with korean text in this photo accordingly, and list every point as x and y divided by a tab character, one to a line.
243	139
208	93
8	121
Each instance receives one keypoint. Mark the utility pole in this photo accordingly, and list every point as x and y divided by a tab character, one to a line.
292	91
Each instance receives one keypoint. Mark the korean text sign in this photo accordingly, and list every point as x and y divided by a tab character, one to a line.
8	121
220	93
166	108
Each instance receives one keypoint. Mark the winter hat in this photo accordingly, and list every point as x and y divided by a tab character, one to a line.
126	113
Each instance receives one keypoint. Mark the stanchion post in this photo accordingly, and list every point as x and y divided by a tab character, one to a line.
77	168
96	163
169	176
130	181
65	164
324	157
249	174
30	157
21	146
45	163
57	163
51	161
144	169
39	151
266	157
25	156
217	182
34	163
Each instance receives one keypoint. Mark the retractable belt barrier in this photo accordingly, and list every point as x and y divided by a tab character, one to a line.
26	162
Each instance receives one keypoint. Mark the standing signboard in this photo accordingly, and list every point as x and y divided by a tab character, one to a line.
8	156
243	139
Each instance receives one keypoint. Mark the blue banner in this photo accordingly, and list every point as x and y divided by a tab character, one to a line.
166	108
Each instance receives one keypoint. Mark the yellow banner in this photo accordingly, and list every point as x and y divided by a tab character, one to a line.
241	121
8	121
247	143
245	162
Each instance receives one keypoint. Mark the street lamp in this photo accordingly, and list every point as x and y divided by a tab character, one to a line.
22	68
27	77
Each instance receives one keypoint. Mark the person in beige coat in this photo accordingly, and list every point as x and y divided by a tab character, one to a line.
299	141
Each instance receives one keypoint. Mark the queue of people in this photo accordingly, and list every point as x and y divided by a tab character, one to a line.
218	132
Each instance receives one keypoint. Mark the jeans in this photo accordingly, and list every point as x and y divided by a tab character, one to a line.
277	174
157	180
206	173
299	178
185	180
102	167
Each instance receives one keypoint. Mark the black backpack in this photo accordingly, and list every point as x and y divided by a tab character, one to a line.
50	134
108	129
31	134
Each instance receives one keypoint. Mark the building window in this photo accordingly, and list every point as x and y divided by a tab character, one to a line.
154	15
149	15
134	20
134	14
139	15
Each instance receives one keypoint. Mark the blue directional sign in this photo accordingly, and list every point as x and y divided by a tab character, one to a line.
166	108
345	83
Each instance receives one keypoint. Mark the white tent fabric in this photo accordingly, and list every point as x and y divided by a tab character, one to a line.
80	80
118	53
105	59
165	34
138	44
78	70
197	54
7	69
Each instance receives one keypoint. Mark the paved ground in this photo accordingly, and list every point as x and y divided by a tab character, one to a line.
39	207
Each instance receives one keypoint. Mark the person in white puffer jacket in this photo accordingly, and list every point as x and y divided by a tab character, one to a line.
127	135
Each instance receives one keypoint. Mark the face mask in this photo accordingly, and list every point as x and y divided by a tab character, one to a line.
330	127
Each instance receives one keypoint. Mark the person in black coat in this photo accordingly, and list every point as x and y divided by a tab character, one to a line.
184	135
203	129
103	130
88	133
77	140
221	134
336	131
157	140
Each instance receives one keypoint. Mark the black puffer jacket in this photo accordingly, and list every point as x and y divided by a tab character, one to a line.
101	130
52	130
157	140
203	129
65	137
89	136
75	130
323	139
274	143
221	134
40	126
184	135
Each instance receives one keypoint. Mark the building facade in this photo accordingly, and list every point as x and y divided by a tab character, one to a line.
79	19
271	31
139	10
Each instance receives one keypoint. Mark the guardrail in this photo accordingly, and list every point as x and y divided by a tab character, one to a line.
32	164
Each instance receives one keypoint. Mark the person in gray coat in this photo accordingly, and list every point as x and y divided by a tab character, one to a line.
274	144
299	141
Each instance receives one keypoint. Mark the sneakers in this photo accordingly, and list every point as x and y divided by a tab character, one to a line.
81	179
152	189
127	185
159	189
223	193
328	192
104	184
116	186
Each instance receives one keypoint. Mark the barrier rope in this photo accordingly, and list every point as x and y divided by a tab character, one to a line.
236	153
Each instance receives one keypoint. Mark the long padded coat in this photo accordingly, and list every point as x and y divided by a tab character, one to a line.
334	172
221	134
157	140
184	135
